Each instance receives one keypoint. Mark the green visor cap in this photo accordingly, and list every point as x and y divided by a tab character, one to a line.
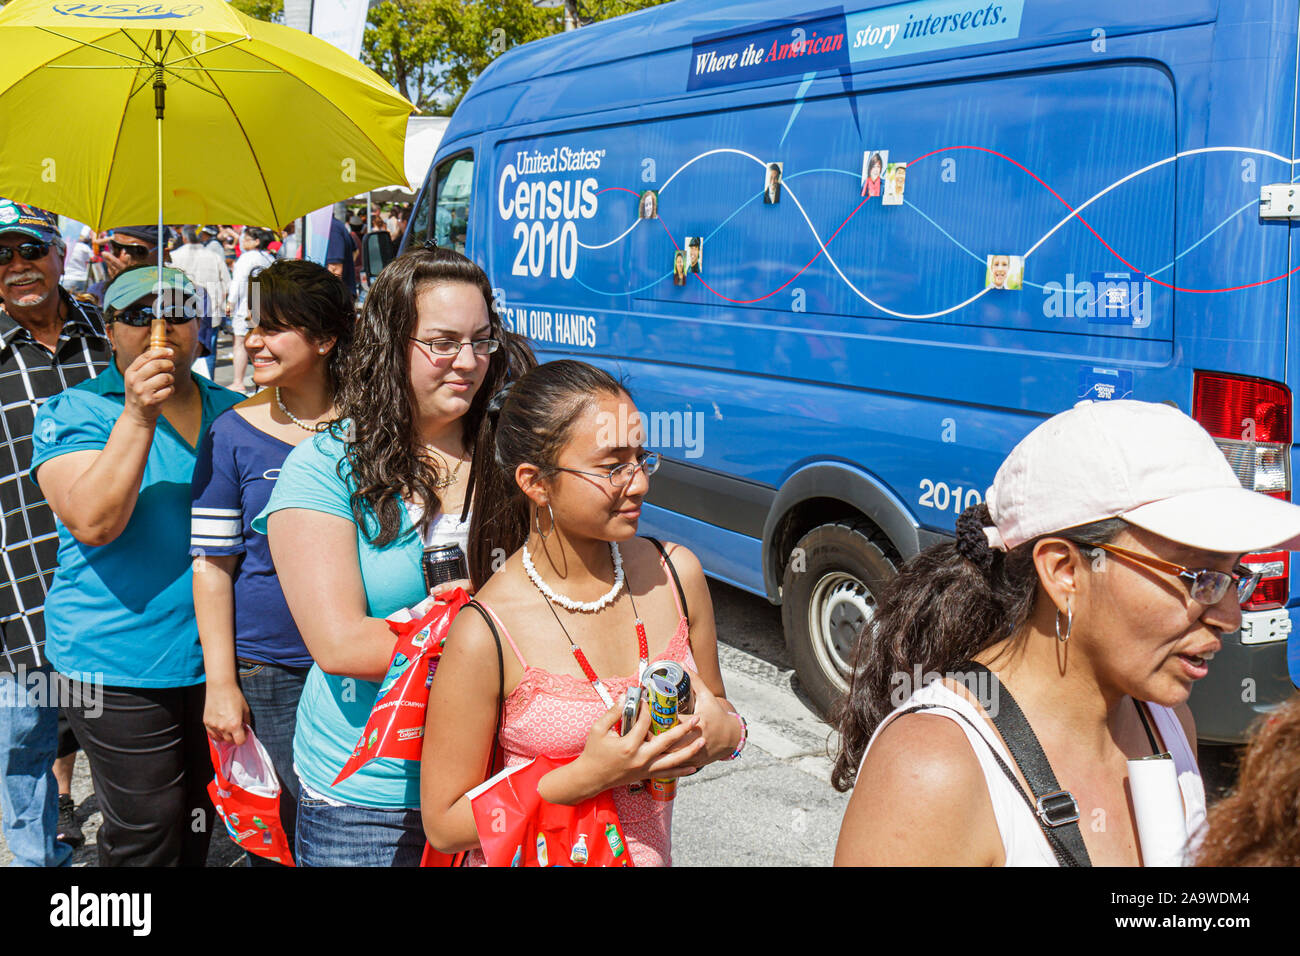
175	288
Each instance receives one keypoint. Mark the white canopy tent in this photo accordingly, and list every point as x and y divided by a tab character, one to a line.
423	134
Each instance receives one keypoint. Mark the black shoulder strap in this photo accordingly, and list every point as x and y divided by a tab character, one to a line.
1062	853
677	582
501	683
462	858
1055	809
1146	725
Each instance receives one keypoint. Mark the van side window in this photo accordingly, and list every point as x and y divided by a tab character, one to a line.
452	191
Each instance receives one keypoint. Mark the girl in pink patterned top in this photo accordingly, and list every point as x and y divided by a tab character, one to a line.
563	501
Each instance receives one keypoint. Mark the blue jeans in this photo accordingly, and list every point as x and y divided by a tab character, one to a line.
272	693
29	797
356	836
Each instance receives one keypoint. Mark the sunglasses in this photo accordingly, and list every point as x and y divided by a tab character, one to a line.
31	251
139	318
1205	586
129	249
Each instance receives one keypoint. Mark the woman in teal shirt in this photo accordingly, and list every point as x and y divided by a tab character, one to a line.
114	457
353	510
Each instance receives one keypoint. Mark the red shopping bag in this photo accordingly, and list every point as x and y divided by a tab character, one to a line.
396	725
246	794
516	827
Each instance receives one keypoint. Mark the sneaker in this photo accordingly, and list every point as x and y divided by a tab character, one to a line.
69	829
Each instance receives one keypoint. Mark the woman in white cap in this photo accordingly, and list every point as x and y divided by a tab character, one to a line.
1058	639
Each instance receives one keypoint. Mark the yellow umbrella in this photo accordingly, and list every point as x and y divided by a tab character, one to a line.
127	112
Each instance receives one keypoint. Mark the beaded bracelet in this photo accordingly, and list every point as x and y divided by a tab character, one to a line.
744	735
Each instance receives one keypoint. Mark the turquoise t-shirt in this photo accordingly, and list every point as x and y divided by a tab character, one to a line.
333	710
123	613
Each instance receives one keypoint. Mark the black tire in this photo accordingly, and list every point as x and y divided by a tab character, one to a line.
829	590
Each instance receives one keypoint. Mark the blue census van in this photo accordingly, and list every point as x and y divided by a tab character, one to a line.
847	256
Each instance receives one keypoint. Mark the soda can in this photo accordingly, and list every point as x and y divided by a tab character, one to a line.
662	696
443	563
676	675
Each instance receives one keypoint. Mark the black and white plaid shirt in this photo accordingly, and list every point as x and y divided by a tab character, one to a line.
29	543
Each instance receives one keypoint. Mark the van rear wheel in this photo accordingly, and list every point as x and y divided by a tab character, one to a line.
829	594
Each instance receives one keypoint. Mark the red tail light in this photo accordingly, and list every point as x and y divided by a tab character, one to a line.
1250	421
1271	591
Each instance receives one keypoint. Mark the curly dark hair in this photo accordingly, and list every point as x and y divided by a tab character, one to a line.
1258	824
946	605
384	455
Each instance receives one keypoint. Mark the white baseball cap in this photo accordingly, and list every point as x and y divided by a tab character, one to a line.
1147	463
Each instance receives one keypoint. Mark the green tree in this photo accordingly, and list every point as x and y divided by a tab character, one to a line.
270	10
432	50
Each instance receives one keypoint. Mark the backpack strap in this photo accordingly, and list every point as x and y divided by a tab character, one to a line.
677	582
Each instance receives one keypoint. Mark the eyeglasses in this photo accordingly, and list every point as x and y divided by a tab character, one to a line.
139	318
129	249
31	251
1205	586
446	348
621	476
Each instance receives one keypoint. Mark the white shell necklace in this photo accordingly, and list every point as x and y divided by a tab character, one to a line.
318	426
569	603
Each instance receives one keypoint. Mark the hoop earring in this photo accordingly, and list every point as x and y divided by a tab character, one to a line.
1069	623
538	512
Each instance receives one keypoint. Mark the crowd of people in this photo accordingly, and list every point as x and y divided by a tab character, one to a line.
196	562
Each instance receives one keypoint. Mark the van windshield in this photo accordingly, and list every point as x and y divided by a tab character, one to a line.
452	190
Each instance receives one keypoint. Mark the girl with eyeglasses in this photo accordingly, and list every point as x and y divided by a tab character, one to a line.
352	511
114	457
1007	682
577	608
254	657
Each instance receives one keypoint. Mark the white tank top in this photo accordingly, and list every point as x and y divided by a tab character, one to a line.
1022	839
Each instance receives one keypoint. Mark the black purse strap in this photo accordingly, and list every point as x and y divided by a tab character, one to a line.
1063	857
677	582
1055	809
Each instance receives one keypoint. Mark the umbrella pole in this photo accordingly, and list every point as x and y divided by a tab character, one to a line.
158	327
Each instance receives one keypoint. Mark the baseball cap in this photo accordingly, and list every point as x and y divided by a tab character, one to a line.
1147	463
135	284
28	220
148	234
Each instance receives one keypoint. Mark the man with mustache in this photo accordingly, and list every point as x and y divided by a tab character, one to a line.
49	341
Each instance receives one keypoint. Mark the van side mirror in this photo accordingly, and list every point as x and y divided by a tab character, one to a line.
376	252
